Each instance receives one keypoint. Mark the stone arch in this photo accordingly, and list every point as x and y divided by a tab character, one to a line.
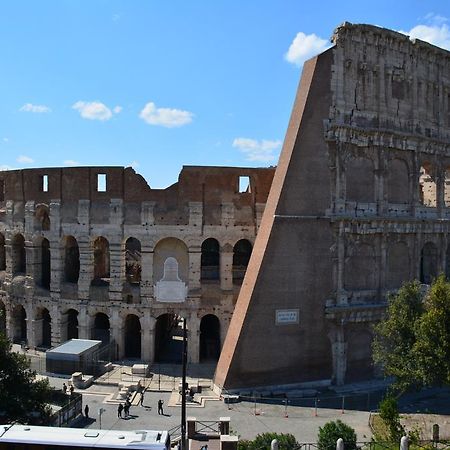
175	248
2	318
360	268
101	261
133	260
132	336
44	331
242	251
210	260
18	255
428	263
2	252
427	185
398	265
398	181
360	180
19	324
167	349
42	218
72	324
359	355
71	260
102	328
209	338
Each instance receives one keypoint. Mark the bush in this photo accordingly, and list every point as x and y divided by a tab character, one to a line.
391	418
263	441
332	431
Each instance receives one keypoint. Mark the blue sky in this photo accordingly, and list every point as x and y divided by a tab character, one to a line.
162	84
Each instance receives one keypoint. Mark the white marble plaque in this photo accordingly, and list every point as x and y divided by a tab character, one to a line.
286	316
171	288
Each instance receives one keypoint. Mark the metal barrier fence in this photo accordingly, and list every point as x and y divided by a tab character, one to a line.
69	411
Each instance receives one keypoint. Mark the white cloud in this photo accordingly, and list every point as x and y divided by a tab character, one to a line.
5	139
71	162
95	110
255	150
165	117
25	159
305	46
435	31
29	107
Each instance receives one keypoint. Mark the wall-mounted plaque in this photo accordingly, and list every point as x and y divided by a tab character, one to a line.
286	316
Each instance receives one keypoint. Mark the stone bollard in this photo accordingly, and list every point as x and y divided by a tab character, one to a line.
228	442
340	444
224	426
404	443
274	445
191	427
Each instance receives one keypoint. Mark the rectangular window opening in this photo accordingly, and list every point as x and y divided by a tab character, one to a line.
44	183
244	184
101	182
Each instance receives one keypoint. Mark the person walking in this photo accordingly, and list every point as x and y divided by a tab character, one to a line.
86	411
119	410
71	389
64	388
160	407
126	408
141	400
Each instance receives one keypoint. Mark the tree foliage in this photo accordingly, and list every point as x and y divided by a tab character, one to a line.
263	441
22	399
412	343
332	431
390	416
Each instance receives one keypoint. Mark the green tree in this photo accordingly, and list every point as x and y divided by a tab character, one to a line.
395	336
263	441
22	399
390	416
332	431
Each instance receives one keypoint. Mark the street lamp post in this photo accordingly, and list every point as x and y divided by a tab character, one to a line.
183	389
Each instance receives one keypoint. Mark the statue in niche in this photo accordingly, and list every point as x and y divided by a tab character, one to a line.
171	288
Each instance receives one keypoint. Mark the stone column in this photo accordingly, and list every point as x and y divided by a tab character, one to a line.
147	272
339	352
63	320
341	295
33	266
226	267
9	259
117	332
84	323
148	337
193	326
195	256
9	321
56	266
115	271
440	191
86	267
29	217
55	314
382	263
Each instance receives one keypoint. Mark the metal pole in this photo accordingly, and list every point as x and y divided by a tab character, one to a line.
183	389
343	404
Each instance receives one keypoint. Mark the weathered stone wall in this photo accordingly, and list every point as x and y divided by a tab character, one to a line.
358	205
70	249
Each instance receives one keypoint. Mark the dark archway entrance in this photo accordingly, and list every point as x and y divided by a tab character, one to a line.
132	337
46	340
168	339
428	263
209	338
19	324
101	330
71	260
72	324
241	256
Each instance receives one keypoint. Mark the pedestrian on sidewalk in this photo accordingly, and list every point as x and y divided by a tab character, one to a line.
71	389
126	408
64	388
86	411
119	410
141	400
160	407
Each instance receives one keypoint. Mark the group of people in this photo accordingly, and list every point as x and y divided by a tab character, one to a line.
70	388
125	408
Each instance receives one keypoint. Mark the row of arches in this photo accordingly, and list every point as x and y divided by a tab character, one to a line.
210	259
167	329
362	260
361	182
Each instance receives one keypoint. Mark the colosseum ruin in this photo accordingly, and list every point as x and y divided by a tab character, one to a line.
95	253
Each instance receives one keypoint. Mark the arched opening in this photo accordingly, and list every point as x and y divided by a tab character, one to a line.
133	260
132	336
42	217
209	338
72	324
2	318
171	248
168	345
101	261
428	263
398	182
45	337
210	261
360	268
241	256
2	252
18	255
71	260
397	265
359	169
101	330
45	264
427	186
19	324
